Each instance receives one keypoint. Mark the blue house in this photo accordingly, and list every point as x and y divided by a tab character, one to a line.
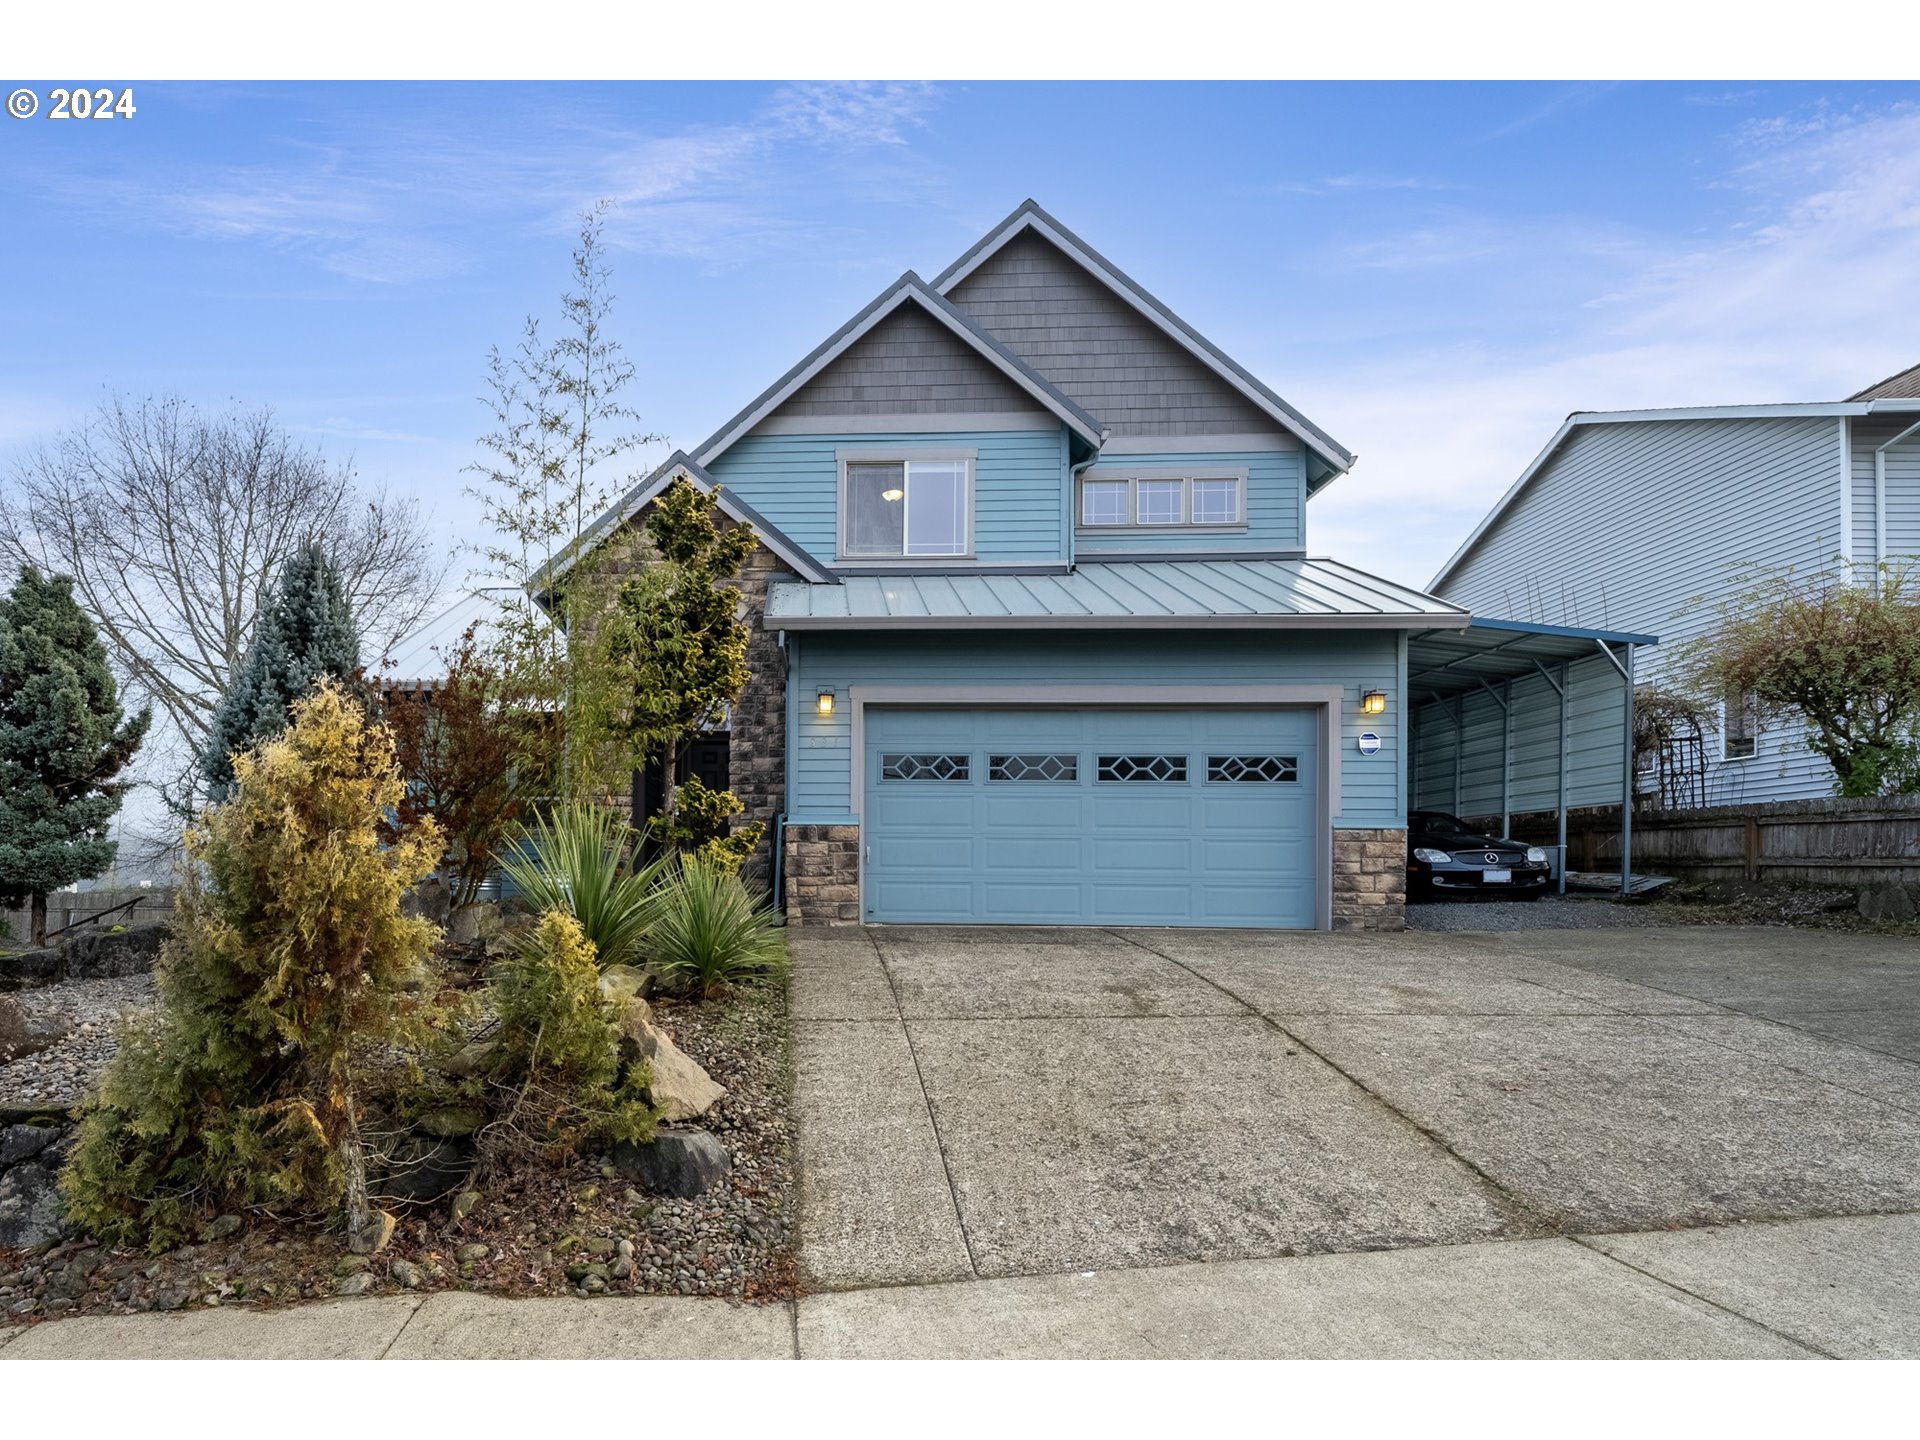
1037	636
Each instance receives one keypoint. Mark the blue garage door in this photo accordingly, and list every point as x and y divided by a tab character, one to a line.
1091	817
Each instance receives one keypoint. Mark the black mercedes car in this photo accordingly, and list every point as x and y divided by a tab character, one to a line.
1445	856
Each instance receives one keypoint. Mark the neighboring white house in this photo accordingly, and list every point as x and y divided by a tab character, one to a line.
1657	520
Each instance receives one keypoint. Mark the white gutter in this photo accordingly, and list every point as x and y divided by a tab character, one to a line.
1880	493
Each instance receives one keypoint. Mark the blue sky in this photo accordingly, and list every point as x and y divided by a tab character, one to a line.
1435	273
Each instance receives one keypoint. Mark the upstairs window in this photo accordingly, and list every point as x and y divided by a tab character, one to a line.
1163	500
895	509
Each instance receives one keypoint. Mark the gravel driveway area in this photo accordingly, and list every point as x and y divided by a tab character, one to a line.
1550	912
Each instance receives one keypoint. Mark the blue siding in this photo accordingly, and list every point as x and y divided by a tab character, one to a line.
1020	484
1276	504
1359	660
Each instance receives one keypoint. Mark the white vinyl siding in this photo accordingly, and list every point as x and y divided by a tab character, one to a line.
1654	526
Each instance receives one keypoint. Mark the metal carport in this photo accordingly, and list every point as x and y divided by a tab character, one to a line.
1509	716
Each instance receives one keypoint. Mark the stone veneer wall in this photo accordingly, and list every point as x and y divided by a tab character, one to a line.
757	743
1370	879
822	871
757	738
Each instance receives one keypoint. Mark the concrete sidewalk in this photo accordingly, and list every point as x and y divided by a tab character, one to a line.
1792	1290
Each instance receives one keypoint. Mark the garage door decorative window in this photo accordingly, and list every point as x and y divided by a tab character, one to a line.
1255	768
924	767
1033	767
1169	768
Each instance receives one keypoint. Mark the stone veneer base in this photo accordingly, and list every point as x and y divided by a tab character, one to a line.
821	866
1370	879
822	869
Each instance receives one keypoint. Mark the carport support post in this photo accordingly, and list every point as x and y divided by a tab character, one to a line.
1626	798
1566	678
1560	798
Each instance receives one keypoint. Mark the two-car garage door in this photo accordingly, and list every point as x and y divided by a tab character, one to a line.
1092	816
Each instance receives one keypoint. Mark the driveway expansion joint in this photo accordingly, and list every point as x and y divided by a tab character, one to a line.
394	1339
926	1096
1527	1211
1586	1244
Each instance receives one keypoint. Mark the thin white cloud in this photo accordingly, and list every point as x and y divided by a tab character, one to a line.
1574	97
370	206
1808	300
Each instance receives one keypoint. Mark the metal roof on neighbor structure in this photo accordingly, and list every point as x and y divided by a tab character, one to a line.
1260	593
1443	663
419	658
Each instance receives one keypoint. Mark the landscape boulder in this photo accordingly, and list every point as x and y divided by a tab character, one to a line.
23	1142
1886	902
26	1032
475	924
419	1167
681	1163
679	1089
29	1204
429	900
112	954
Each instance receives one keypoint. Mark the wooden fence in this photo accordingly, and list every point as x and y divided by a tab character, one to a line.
150	905
1826	841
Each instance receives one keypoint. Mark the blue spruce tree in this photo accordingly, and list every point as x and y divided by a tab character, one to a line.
303	632
63	739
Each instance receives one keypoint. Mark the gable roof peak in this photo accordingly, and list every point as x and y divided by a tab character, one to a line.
1029	215
909	288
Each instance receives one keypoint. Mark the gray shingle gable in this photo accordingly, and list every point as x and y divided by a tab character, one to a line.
908	364
1102	352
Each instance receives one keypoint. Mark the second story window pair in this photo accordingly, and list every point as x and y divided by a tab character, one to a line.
1162	500
895	509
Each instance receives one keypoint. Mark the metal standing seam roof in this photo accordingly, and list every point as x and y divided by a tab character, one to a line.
1278	593
420	656
1445	663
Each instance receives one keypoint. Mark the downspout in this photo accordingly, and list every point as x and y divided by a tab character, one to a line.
1846	504
791	725
1880	493
1073	496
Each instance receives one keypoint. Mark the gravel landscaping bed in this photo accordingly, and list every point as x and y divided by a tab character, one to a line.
576	1226
88	1011
1550	912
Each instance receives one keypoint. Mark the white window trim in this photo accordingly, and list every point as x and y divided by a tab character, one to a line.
902	455
1726	734
1186	475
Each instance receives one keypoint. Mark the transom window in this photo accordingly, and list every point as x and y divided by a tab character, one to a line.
1170	769
897	508
1162	500
1033	767
924	767
1253	769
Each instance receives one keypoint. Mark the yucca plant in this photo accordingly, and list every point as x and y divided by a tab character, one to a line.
709	930
574	862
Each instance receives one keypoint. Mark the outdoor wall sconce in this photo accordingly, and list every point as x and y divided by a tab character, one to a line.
825	702
1374	702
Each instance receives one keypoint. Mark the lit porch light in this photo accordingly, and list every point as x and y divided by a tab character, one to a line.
825	702
1374	702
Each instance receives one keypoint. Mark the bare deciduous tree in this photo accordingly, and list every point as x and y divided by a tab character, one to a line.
173	522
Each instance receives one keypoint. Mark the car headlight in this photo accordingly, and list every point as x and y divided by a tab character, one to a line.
1432	857
1536	855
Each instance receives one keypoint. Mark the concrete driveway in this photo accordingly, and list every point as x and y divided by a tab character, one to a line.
991	1103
